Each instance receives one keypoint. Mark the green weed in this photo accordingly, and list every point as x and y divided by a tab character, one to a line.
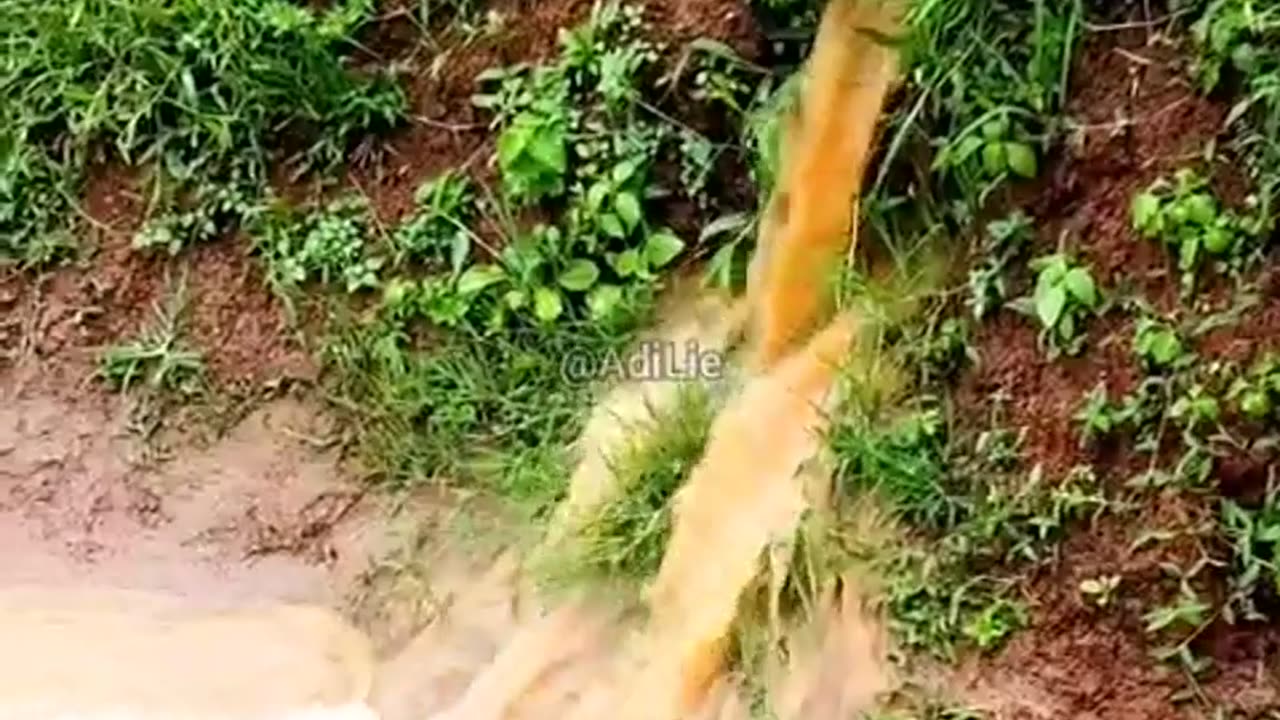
986	81
196	87
1257	392
1239	41
1254	537
1064	297
158	359
1004	242
327	246
438	233
1158	346
1184	215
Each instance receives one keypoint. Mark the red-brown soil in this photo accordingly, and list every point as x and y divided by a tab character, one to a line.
1135	117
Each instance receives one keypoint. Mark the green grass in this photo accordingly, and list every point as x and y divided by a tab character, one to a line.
625	539
157	359
200	90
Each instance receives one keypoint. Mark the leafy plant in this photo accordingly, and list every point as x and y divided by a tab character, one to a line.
992	148
328	246
214	209
1065	294
196	87
1254	537
1100	591
1184	215
157	358
437	233
1158	346
1098	417
1005	240
985	83
1257	393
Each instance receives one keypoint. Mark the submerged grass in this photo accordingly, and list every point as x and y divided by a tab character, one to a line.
624	540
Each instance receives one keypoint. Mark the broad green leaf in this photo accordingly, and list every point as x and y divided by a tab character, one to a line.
627	206
596	195
1217	240
547	305
515	299
623	171
1201	209
579	276
996	129
612	226
479	277
459	251
548	147
603	301
1146	211
662	247
626	263
1022	159
1080	284
1051	300
993	158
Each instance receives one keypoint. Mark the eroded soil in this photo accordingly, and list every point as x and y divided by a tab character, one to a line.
1135	117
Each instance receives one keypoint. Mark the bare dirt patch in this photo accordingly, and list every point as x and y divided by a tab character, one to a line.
261	514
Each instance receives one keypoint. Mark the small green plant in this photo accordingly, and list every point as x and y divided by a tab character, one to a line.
1005	240
903	462
986	82
1239	42
1254	536
1197	409
1257	393
1185	215
1098	417
1100	591
1181	621
326	246
214	209
991	147
157	358
437	233
1065	295
1158	346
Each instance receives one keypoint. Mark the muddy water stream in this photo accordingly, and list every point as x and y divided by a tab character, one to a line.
494	651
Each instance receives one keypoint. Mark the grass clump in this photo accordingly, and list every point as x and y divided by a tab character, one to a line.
985	83
972	519
1239	43
198	88
465	408
626	538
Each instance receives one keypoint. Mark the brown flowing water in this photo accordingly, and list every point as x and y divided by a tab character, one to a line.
497	652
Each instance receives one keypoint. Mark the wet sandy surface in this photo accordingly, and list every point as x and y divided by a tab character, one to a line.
260	515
